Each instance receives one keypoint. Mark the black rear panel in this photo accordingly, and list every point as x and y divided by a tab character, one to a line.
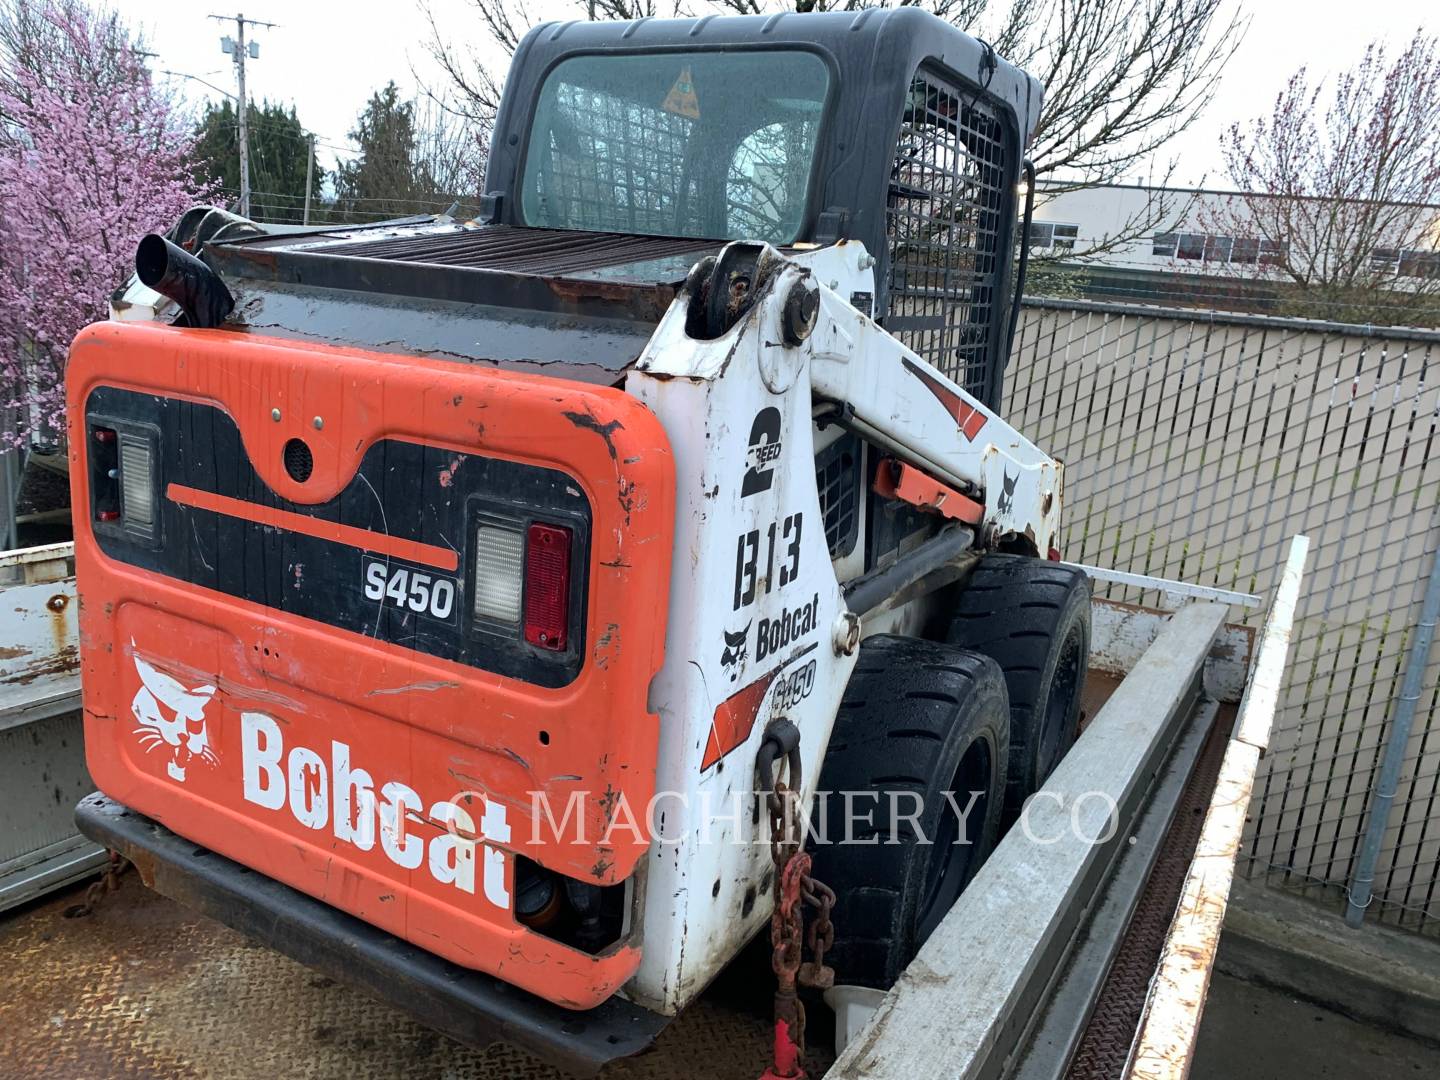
403	491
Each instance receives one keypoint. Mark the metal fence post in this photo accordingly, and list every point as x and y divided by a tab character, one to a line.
11	460
1383	798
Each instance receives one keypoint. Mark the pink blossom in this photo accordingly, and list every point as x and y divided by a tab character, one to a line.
91	159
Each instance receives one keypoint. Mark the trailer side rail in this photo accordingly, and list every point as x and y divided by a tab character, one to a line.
1166	1039
1014	973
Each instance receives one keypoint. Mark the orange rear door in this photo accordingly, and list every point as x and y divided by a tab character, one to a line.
361	622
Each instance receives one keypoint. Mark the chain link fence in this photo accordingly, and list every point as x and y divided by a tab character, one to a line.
1195	444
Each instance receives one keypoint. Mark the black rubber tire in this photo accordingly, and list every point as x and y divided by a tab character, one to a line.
922	717
1031	617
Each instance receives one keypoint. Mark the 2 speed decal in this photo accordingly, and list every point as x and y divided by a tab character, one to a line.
764	451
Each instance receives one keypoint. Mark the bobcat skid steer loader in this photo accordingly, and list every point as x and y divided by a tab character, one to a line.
485	611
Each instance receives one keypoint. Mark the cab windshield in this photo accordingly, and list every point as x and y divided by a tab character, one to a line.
698	144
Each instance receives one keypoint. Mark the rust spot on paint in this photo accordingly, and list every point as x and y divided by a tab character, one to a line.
311	774
447	475
587	422
609	803
608	647
61	662
626	494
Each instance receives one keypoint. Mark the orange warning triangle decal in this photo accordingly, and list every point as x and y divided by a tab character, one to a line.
681	99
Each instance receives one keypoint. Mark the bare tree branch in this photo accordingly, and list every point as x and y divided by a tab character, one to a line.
1123	77
1345	187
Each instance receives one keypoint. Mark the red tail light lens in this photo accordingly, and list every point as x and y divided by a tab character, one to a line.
547	586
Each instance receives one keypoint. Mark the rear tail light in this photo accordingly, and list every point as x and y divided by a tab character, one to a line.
124	484
137	485
547	586
499	559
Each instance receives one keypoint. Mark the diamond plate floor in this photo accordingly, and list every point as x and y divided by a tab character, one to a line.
145	988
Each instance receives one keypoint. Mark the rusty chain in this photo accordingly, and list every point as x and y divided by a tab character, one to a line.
106	883
795	889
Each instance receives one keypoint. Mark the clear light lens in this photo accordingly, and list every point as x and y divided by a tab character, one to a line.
137	484
499	573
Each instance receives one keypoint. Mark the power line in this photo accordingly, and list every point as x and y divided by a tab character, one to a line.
284	127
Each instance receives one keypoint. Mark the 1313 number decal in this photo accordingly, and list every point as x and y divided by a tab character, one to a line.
748	575
410	590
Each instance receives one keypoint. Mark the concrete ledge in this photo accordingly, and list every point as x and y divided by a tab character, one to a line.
1386	977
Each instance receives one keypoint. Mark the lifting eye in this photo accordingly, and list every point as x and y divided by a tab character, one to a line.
299	462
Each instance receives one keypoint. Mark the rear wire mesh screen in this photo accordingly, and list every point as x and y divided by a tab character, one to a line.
710	143
620	166
945	223
837	479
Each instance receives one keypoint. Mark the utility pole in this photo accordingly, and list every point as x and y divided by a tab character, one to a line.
238	50
309	178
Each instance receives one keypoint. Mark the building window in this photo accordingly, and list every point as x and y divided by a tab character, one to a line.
1053	236
1190	246
1217	248
1221	250
1411	264
1246	251
1386	260
1273	252
1420	264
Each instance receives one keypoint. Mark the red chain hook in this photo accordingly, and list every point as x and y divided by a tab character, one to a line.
794	888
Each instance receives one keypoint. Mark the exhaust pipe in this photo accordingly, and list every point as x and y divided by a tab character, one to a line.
174	272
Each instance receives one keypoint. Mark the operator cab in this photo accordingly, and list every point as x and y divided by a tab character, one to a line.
890	127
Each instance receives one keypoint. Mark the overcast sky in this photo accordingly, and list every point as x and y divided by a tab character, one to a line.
327	57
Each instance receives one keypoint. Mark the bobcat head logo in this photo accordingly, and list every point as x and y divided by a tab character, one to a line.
171	717
1006	502
734	652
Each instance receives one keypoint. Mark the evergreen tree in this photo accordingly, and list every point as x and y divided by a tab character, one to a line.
384	179
278	148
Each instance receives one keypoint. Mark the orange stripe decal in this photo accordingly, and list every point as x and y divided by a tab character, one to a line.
380	543
735	719
968	418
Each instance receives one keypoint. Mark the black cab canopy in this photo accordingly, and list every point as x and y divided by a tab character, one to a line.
891	127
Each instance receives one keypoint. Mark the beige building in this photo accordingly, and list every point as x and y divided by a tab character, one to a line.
1175	230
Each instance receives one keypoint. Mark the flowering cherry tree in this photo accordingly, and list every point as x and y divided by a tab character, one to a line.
92	156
